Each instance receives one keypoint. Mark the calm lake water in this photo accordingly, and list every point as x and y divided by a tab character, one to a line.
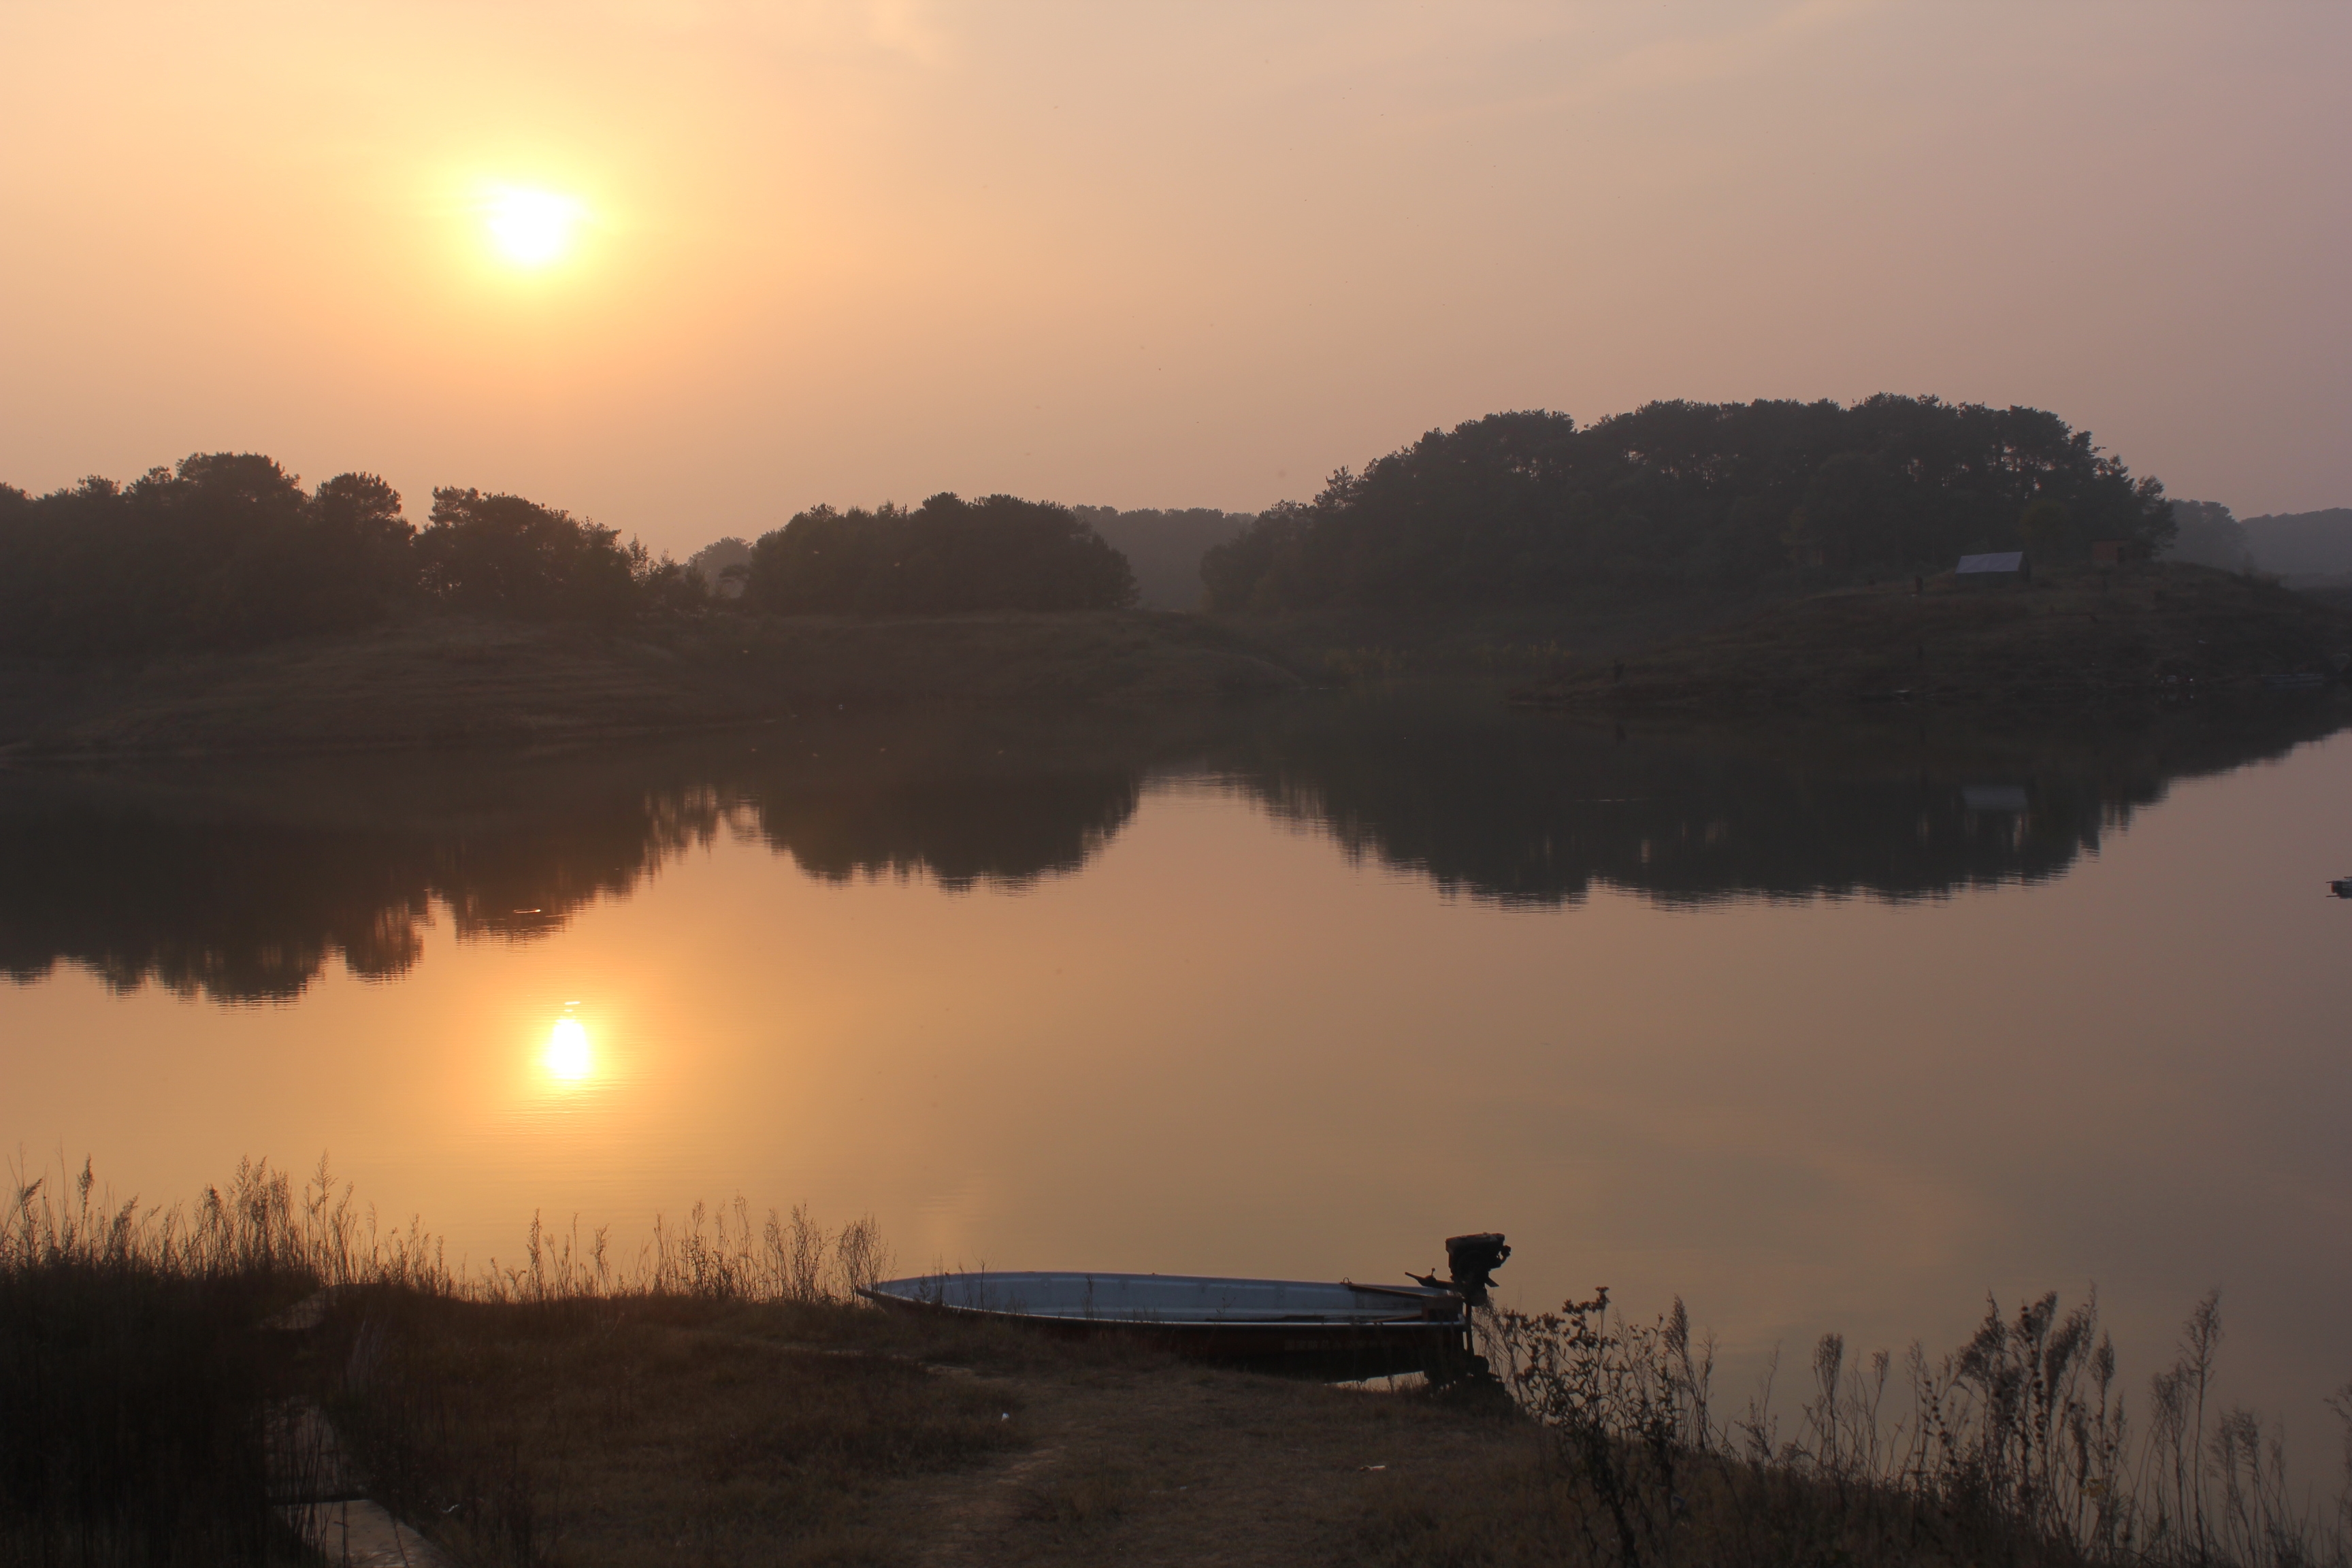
1819	1030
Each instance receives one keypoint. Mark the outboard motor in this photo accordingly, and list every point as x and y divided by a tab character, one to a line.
1472	1260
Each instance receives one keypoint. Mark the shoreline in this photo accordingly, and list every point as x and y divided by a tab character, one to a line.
449	683
2077	641
2120	647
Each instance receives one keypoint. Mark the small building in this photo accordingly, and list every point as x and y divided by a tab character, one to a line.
2002	798
2001	565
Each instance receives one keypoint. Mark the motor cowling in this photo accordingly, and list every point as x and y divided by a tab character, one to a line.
1471	1262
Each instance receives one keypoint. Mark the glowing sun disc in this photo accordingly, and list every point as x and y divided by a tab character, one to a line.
532	228
568	1055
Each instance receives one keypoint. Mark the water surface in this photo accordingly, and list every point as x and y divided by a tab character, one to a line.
1816	1028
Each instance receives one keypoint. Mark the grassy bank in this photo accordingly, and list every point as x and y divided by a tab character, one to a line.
2068	639
449	680
2072	639
718	1398
2015	1448
1509	644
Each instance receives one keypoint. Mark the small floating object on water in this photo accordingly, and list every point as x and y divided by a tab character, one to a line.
2341	886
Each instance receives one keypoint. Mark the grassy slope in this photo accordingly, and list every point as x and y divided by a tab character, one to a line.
448	681
608	1433
2067	639
1339	645
616	1432
457	681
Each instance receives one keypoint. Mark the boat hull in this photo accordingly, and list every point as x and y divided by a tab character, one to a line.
1338	1330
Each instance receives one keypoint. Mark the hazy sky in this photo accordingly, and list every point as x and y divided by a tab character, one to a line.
1150	254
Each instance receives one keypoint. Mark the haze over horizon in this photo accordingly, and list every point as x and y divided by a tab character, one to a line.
686	268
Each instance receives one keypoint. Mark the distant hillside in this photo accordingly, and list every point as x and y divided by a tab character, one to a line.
1165	547
2303	543
2206	534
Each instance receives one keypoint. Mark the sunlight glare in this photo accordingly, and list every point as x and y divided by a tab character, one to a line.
532	228
567	1056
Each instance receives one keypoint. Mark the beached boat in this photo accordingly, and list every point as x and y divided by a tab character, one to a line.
1221	1319
1367	1328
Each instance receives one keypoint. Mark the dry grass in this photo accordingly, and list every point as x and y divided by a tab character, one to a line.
719	1399
135	1395
2013	1448
622	1431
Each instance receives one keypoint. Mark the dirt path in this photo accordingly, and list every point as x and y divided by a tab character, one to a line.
658	1430
1194	1466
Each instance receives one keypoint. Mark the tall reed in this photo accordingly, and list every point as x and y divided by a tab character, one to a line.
715	1255
137	1395
144	1403
2014	1446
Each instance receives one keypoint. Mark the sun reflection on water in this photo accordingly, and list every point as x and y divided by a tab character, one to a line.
567	1056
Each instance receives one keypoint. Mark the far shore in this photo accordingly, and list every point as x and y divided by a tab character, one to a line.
2078	640
2075	640
448	681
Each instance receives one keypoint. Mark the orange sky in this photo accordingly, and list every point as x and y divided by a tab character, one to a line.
1150	254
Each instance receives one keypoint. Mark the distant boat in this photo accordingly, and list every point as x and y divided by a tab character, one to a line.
1359	1329
2341	886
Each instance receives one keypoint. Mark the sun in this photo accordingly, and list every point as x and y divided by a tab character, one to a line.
568	1055
532	228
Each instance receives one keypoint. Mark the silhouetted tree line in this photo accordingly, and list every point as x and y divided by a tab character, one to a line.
227	551
1525	507
505	555
998	552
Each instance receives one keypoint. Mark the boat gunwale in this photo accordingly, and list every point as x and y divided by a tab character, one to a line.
1324	1322
1189	1325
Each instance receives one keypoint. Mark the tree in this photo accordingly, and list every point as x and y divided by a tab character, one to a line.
998	552
722	566
225	551
505	555
1526	508
1850	516
2046	531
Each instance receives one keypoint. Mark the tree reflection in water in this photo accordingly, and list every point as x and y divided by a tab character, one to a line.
242	884
1532	810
